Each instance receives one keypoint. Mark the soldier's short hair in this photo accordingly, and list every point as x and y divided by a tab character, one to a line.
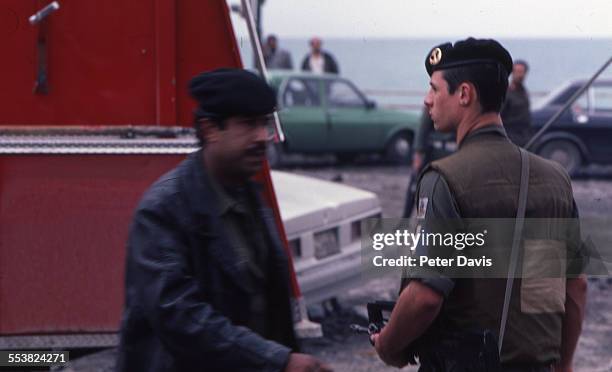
490	82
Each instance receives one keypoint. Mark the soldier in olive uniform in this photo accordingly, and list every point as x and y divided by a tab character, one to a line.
482	180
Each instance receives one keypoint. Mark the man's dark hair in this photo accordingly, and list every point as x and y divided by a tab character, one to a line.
197	124
489	79
523	63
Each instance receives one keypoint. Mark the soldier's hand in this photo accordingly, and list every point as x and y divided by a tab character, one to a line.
398	361
305	363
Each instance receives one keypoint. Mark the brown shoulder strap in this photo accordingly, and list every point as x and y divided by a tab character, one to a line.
516	241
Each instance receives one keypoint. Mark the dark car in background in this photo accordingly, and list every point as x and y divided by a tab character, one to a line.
583	134
327	114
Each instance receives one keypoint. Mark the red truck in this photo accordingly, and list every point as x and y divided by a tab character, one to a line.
94	108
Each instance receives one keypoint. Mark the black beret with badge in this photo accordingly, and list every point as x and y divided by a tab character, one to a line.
468	52
229	92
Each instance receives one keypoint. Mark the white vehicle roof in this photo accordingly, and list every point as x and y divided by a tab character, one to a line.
308	203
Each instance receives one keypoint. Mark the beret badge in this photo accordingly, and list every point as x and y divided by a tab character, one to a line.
435	57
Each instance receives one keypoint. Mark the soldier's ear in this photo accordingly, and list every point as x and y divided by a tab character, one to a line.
467	94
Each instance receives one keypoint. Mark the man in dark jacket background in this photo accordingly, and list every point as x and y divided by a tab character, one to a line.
207	282
516	114
429	145
276	57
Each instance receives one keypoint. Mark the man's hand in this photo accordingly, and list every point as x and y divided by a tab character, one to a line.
305	363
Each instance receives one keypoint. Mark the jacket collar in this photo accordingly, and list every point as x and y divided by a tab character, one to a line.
202	191
478	134
202	200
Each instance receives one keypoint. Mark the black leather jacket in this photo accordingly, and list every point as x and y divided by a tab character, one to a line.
185	302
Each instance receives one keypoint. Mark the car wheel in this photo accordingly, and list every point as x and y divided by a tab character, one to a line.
563	152
275	154
399	148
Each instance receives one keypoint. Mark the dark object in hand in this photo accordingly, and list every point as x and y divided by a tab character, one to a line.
378	316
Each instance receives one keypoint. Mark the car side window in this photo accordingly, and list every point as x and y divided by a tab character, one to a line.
342	94
602	100
582	103
566	95
301	92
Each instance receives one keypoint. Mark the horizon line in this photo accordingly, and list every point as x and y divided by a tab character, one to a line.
428	37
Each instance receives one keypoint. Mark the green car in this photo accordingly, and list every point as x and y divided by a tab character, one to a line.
323	114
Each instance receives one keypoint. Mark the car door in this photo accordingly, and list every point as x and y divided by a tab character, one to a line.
353	124
303	116
600	123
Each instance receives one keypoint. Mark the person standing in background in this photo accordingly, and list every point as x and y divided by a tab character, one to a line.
275	57
319	61
515	113
424	153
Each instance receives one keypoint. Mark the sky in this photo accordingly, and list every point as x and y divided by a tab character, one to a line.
438	18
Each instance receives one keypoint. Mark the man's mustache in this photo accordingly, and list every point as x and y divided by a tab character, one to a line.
256	149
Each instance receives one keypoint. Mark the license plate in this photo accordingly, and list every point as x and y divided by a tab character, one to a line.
326	243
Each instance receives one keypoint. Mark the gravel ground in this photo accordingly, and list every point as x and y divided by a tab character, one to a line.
345	351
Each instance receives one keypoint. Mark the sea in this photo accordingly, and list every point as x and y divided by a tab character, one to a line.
392	72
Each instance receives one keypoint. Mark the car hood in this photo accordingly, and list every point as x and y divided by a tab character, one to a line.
308	203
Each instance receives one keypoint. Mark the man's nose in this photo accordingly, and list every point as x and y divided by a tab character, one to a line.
261	133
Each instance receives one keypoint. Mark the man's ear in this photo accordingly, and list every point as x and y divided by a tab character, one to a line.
467	94
210	130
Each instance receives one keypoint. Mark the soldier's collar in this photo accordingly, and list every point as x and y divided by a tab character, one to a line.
489	129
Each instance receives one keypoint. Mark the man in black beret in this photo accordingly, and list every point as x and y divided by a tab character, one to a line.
207	280
516	113
456	324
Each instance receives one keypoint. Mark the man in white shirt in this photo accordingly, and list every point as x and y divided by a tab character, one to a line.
319	61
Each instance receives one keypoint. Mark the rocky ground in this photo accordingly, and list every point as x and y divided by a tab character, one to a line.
346	351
